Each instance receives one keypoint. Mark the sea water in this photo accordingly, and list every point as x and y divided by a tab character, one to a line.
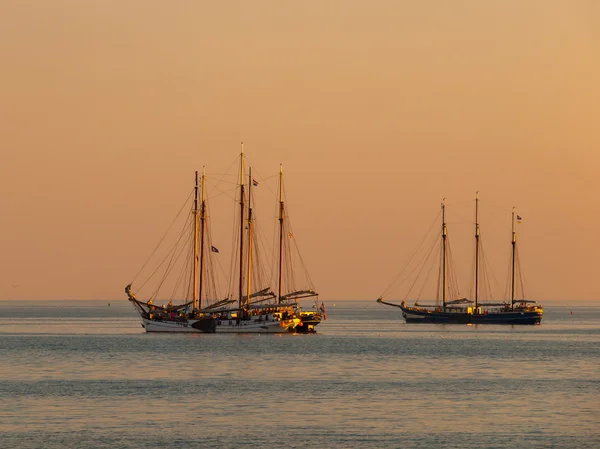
84	374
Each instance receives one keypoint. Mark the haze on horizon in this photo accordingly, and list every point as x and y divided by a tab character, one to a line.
377	111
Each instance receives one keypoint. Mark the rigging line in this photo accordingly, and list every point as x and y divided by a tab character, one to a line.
426	258
259	176
412	256
289	230
440	285
507	283
302	263
227	193
453	283
213	281
437	253
225	174
485	271
170	255
275	247
164	236
521	280
459	203
223	181
451	274
288	225
211	259
503	209
173	260
418	265
188	288
234	249
260	246
269	188
182	274
464	222
498	285
172	249
398	280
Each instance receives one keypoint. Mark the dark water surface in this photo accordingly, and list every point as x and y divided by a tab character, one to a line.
84	374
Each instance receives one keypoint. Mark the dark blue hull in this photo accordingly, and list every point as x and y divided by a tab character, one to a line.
416	315
412	315
515	317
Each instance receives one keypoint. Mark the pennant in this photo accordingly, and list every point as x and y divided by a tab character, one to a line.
519	219
214	249
254	182
290	235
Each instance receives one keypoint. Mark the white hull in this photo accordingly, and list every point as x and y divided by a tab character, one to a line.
223	326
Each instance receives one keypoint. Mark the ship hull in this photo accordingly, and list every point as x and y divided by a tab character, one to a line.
516	317
220	326
308	321
411	315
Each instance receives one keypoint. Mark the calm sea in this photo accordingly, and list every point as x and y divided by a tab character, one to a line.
84	374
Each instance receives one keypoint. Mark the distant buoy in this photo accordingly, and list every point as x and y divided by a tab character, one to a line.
108	304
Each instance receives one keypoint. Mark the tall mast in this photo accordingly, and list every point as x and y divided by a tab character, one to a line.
202	228
514	248
444	255
249	263
476	249
241	231
195	262
280	230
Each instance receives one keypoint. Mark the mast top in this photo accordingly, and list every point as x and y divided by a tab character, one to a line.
242	166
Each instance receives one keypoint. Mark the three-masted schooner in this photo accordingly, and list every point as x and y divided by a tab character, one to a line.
256	311
463	310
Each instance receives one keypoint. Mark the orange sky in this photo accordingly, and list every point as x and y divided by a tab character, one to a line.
376	109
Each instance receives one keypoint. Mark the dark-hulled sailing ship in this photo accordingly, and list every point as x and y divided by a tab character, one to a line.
466	311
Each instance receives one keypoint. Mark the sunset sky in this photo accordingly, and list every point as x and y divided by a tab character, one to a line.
377	110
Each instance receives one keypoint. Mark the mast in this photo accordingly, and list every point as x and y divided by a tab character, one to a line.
443	255
514	248
280	230
202	228
249	263
476	249
241	231
195	262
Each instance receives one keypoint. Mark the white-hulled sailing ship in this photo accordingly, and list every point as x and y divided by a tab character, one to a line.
457	309
288	293
258	311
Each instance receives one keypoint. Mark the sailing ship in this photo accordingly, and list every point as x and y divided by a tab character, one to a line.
466	311
288	293
258	311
